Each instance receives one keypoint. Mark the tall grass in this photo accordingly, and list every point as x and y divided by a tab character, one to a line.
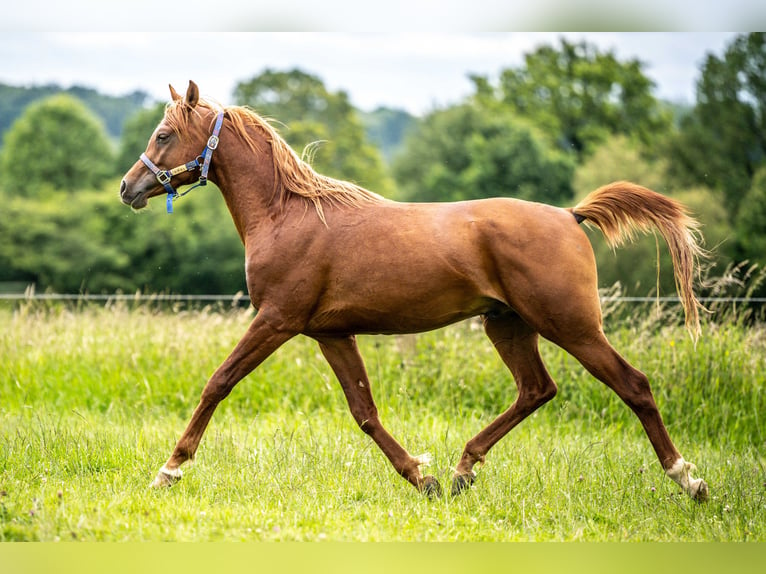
92	400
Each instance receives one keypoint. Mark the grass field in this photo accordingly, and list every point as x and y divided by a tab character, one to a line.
93	399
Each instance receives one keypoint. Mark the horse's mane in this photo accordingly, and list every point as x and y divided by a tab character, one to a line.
293	175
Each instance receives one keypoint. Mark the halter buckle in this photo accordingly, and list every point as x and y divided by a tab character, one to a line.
163	177
212	142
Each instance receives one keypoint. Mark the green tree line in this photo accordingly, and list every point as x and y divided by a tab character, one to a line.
566	120
112	110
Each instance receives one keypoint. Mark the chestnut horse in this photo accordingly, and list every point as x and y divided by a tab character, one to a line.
330	260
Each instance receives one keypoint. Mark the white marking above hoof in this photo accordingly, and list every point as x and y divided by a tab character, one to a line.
166	477
680	472
424	459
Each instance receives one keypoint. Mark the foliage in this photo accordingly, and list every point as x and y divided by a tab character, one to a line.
57	144
578	96
387	128
722	143
55	243
634	265
112	110
751	221
322	123
135	135
94	398
619	158
466	152
195	250
89	241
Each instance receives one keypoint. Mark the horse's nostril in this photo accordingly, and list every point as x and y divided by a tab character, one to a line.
123	186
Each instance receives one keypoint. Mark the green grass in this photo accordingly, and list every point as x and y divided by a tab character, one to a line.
92	401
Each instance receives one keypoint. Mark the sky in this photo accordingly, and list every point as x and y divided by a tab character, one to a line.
413	71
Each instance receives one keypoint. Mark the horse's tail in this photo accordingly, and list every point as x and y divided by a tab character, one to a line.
622	208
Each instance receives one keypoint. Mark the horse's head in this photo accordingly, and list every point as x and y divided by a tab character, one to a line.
173	152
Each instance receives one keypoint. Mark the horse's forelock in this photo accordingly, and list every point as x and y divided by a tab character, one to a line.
178	115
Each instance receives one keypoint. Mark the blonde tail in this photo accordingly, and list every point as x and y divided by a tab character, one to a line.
622	208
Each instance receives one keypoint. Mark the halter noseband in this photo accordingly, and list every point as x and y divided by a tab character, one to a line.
164	176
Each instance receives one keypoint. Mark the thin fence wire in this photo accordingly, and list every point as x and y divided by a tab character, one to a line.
160	300
120	297
669	299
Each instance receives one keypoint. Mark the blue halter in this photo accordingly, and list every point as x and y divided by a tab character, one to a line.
202	160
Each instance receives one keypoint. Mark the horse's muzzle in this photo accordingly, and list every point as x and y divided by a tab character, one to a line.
134	200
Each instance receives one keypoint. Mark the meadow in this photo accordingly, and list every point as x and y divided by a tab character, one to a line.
93	397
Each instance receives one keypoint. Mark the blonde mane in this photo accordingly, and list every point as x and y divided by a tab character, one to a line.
293	176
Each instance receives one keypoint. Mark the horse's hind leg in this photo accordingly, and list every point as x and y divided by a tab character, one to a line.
517	344
345	360
632	386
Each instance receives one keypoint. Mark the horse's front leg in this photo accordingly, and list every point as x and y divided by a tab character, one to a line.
345	360
260	340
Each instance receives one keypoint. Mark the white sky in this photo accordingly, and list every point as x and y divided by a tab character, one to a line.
413	71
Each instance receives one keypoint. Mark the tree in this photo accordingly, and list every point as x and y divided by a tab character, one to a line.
93	243
111	109
196	250
578	96
751	221
635	266
324	121
136	133
57	144
617	158
57	244
722	143
465	152
387	129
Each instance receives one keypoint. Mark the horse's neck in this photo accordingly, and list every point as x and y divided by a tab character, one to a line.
246	181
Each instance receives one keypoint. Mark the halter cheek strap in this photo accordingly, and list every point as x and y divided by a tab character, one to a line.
201	161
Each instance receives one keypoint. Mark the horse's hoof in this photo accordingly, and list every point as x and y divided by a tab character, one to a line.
430	487
703	492
461	482
166	478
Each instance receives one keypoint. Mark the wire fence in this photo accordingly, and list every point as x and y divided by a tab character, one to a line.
150	300
147	298
747	309
241	298
703	300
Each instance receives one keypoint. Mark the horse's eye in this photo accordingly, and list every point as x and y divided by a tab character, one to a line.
162	138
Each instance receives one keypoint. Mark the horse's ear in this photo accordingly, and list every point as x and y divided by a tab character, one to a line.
192	95
175	96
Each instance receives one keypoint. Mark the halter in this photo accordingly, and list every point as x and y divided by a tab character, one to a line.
164	176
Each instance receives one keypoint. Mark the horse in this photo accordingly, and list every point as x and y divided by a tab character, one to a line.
331	260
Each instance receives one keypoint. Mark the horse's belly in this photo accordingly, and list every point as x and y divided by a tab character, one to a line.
401	315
